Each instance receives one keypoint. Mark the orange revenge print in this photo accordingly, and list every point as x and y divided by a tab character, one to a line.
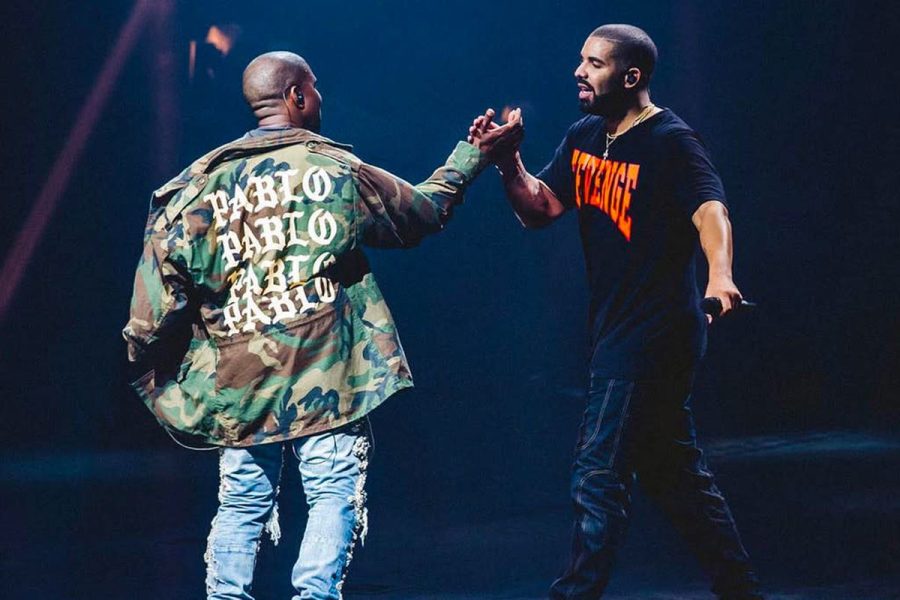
606	185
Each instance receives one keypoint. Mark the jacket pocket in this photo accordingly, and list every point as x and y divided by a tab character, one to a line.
264	361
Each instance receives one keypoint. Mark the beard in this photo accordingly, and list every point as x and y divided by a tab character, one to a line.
611	103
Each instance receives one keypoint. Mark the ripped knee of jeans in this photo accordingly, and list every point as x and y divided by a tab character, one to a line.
212	566
273	527
357	500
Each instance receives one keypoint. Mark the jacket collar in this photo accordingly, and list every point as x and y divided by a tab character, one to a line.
244	146
250	145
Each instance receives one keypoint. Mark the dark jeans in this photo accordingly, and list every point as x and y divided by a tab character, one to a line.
646	429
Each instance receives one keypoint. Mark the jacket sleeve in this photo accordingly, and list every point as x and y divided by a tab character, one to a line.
395	214
159	304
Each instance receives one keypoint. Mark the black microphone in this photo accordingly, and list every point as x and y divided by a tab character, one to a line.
713	306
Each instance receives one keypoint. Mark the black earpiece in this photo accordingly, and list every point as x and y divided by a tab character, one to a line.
630	78
299	99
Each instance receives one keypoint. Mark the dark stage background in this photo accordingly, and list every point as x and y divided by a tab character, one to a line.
793	98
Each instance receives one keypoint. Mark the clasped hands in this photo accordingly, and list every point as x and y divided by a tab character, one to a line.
499	143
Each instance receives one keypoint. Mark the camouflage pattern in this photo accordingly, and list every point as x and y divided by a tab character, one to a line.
255	318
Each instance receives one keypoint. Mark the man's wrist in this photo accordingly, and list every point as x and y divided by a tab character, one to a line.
509	166
468	159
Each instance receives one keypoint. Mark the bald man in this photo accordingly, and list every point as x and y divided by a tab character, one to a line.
253	260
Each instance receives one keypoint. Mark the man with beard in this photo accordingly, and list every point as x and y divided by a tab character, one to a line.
647	195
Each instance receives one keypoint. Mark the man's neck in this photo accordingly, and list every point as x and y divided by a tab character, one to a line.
617	125
275	122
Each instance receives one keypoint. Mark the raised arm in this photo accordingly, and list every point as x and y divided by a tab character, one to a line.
530	198
533	202
395	213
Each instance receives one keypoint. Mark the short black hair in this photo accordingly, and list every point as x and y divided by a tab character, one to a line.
633	48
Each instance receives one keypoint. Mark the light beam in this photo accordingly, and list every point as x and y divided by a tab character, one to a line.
44	206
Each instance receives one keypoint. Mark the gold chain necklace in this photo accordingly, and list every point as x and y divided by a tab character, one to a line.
639	119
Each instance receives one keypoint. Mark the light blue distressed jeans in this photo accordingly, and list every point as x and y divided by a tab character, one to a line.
333	471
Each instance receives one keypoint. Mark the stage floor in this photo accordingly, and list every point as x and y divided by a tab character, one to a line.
820	514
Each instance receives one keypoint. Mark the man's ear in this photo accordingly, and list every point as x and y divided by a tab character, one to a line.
632	77
297	97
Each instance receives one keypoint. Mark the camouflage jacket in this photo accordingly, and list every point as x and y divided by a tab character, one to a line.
255	317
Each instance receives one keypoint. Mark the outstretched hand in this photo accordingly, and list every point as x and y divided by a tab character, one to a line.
498	142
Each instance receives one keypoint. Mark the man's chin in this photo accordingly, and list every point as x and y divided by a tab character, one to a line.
603	109
588	107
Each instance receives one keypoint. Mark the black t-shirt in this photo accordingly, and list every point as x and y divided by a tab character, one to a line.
634	212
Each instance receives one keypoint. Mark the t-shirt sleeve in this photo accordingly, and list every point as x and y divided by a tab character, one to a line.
558	173
696	178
